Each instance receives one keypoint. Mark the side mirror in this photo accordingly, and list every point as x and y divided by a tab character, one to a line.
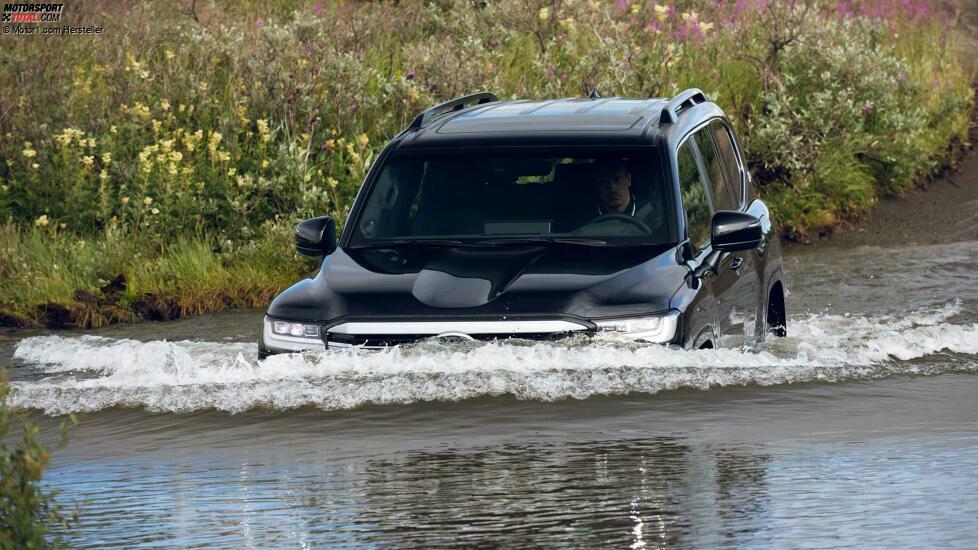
316	237
730	231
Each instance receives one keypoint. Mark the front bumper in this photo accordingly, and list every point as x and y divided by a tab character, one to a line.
378	334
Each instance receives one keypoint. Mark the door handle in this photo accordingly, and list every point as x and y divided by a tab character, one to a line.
737	263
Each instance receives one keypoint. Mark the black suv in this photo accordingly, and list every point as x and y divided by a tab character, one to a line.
489	219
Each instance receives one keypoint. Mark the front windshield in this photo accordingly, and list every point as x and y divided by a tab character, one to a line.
479	197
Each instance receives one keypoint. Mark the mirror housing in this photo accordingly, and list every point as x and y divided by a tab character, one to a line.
730	231
316	236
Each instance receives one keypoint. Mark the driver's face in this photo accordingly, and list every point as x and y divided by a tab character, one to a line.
613	191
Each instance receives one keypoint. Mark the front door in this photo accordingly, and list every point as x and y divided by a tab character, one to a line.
735	287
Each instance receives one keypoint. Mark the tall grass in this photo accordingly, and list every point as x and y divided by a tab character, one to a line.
182	145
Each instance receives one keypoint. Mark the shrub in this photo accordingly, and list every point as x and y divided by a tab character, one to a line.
27	513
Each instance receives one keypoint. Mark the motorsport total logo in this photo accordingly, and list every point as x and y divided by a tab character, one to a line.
32	13
40	19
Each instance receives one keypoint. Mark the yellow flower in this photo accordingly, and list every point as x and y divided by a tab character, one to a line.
28	152
165	104
88	160
103	175
148	201
42	221
232	171
125	201
635	8
35	165
141	110
168	54
263	131
63	225
223	156
264	163
156	126
113	129
181	107
213	141
106	158
544	13
155	211
363	140
706	27
176	156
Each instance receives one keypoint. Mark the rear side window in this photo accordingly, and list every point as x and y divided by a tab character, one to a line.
695	201
721	193
728	155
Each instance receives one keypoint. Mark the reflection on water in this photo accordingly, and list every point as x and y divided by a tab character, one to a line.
658	493
652	491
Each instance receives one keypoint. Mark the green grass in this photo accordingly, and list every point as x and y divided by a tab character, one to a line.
56	279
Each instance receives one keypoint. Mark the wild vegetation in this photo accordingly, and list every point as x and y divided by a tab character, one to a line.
27	512
157	170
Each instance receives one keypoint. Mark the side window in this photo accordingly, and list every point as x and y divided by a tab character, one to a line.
728	154
721	193
695	201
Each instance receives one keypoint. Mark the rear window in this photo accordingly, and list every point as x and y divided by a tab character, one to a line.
612	197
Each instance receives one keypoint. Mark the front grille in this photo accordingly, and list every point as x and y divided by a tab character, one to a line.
384	340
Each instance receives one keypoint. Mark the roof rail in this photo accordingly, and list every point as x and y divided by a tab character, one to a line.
456	104
682	101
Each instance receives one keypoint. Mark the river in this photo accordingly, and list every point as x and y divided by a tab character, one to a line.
860	428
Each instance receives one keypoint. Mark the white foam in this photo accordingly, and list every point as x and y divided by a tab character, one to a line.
91	373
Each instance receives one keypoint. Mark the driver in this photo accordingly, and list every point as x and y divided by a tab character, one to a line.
611	181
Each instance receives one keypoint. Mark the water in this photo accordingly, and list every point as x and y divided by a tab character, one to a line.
859	429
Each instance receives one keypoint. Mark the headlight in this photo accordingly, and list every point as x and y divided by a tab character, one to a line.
288	336
295	329
658	329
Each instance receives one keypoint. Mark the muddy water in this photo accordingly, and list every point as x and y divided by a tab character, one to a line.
860	428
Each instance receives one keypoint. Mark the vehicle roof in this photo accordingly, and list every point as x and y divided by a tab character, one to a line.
567	121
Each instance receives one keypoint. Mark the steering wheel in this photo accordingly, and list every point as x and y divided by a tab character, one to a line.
621	218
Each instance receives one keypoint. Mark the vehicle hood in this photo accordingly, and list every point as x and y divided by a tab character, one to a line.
485	282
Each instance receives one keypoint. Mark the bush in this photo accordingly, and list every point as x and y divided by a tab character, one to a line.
27	513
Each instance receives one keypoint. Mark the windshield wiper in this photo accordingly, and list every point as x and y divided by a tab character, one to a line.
541	240
409	242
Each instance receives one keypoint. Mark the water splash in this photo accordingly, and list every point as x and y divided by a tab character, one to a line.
91	373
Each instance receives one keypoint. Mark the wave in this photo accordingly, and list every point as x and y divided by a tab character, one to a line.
90	373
